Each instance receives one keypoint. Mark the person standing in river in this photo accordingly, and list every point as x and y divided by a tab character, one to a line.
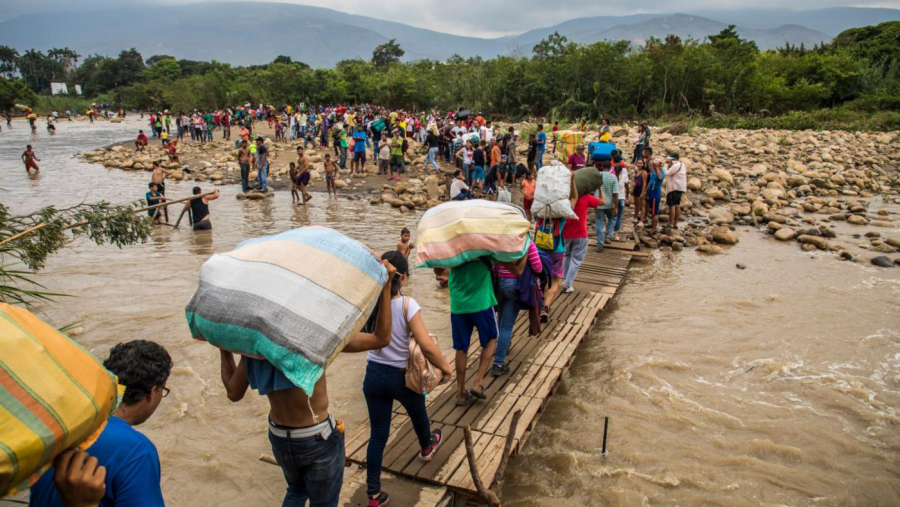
29	157
244	163
199	210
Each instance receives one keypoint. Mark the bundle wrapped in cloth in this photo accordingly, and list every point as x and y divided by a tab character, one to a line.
566	142
552	191
294	298
457	232
54	395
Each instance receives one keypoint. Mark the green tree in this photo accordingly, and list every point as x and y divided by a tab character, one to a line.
163	69
387	53
9	62
283	59
153	60
14	91
26	241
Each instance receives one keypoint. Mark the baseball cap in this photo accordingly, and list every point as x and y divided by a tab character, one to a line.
673	156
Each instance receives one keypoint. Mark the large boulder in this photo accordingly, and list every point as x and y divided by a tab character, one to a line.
723	175
694	184
724	235
817	241
785	234
710	249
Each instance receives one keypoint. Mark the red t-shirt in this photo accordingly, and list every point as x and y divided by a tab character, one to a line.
578	228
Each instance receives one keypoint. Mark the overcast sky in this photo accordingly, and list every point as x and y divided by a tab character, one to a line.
496	17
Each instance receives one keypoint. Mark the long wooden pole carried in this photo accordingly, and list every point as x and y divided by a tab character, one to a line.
81	224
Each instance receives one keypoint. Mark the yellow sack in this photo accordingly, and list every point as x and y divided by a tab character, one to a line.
604	138
566	142
54	395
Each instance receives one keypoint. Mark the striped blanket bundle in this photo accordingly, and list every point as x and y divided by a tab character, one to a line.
456	232
294	298
54	395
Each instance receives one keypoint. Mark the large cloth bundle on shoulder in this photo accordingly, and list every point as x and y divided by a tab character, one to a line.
601	151
566	142
294	298
457	232
54	395
552	191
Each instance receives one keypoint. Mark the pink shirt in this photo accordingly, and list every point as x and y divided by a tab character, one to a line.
533	258
576	161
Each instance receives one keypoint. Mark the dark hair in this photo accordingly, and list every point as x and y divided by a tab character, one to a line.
196	190
404	231
151	185
649	150
540	126
140	366
457	173
398	260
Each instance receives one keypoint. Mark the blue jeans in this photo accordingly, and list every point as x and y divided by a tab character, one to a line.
245	175
539	159
430	159
462	196
605	221
506	317
262	175
313	469
343	160
382	386
467	173
619	214
375	143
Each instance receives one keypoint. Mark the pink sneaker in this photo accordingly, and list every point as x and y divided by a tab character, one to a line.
436	440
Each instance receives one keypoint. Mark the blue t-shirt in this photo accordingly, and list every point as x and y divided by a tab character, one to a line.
542	141
654	187
360	138
265	378
132	470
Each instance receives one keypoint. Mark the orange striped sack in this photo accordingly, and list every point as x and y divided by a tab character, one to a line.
54	395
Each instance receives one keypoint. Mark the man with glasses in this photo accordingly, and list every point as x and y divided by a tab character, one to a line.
129	458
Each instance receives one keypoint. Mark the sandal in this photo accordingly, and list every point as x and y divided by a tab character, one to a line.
545	315
478	394
470	399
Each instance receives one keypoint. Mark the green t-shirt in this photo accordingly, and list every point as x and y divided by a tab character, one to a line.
588	180
471	289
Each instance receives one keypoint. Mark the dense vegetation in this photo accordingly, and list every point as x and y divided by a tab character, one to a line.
724	79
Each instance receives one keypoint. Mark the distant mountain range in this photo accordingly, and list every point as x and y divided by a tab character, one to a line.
322	37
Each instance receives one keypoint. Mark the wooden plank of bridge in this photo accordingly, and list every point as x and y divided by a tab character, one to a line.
537	365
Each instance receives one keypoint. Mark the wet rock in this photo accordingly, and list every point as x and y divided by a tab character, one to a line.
857	220
396	203
740	266
847	256
710	249
724	235
894	242
694	184
720	215
816	241
785	234
882	261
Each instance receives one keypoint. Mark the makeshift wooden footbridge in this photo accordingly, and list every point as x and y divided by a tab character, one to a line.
500	426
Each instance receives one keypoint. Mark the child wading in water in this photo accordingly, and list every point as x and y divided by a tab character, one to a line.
330	171
405	246
294	174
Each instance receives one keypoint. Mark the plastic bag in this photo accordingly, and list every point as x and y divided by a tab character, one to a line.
504	195
552	192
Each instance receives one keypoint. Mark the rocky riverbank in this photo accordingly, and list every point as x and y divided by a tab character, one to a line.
829	191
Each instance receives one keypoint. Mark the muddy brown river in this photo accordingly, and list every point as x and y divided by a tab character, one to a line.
774	385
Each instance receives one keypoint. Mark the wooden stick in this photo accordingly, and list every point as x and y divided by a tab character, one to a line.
507	449
179	217
487	495
82	224
23	233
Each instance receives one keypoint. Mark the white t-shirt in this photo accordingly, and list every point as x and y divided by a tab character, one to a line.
676	177
457	187
623	179
396	353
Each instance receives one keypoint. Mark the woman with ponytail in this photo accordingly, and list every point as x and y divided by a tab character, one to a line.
385	381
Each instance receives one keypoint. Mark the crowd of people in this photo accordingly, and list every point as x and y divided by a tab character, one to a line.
306	440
